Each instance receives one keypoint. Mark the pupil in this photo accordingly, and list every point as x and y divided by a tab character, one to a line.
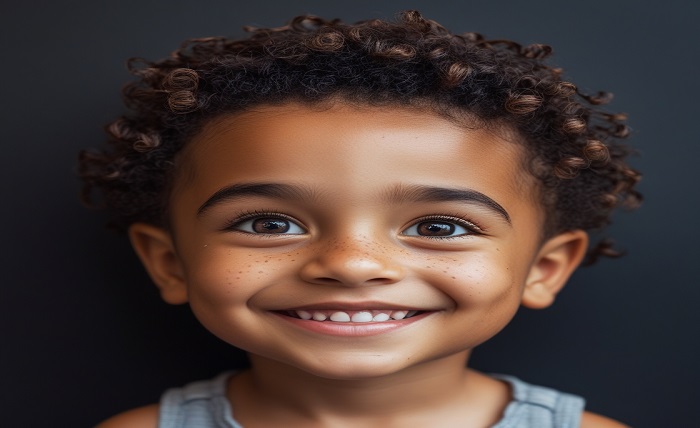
270	225
436	229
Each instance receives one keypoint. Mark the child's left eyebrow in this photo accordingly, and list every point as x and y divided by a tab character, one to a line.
421	193
397	194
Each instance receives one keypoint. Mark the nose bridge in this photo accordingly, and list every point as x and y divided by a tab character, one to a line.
353	259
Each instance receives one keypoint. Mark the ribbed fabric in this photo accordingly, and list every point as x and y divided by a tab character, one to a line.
540	407
203	404
200	404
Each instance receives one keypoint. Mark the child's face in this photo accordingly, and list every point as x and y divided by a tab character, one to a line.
348	211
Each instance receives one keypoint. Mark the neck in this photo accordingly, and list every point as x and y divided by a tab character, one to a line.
422	389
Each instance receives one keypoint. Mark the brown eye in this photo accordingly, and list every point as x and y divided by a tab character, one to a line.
266	225
439	228
434	228
270	225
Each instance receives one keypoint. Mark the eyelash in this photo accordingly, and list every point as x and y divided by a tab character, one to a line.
250	215
472	227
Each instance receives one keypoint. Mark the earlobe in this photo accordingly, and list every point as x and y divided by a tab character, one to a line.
155	248
554	264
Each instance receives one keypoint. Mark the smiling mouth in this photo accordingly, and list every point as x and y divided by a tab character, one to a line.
362	316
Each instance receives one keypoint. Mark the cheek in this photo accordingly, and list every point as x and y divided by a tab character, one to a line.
221	285
485	292
227	277
476	281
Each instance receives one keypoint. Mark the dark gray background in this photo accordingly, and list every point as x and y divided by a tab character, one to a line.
84	334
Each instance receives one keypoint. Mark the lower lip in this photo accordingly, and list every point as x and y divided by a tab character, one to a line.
352	329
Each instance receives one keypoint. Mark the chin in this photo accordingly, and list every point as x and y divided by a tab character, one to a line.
355	367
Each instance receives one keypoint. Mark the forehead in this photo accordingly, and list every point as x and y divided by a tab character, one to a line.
356	149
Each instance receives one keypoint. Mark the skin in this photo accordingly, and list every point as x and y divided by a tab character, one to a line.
353	234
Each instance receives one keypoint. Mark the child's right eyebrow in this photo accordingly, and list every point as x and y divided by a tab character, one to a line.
397	194
240	190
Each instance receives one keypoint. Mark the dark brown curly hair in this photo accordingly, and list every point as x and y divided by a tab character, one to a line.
573	144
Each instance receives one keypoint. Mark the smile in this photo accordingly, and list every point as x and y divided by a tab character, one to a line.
361	316
352	323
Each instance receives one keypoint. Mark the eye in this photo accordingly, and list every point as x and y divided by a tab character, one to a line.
441	228
268	225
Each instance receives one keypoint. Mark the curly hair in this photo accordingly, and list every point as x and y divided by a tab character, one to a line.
573	144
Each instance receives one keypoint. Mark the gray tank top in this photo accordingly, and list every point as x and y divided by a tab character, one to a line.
204	405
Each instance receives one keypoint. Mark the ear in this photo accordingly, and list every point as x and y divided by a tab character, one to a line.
556	261
155	248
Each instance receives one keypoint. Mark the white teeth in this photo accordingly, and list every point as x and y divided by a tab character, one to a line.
381	317
340	317
398	315
319	316
352	316
362	317
304	315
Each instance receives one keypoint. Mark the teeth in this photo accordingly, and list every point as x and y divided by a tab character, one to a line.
399	315
340	317
362	317
352	316
304	315
381	317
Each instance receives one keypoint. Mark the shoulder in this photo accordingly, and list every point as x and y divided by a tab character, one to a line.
142	417
592	420
561	404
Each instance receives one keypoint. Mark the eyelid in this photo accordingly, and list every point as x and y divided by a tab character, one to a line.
234	224
471	227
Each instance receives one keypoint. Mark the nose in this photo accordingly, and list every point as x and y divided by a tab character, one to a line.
351	263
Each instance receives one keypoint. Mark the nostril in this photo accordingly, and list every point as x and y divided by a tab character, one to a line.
378	281
371	281
350	271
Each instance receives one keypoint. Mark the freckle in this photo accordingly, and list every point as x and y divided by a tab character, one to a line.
266	261
454	277
240	271
260	271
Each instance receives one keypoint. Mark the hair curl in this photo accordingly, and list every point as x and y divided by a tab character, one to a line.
573	144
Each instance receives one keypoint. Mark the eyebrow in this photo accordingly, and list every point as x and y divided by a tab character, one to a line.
397	194
242	190
420	193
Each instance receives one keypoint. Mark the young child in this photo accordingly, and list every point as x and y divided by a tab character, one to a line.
358	207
